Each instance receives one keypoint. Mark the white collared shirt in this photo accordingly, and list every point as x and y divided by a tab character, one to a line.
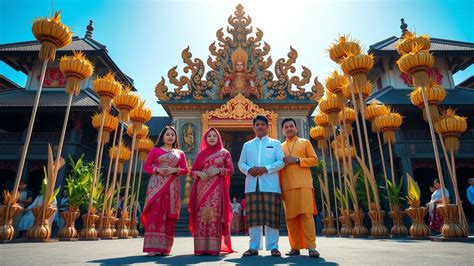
265	152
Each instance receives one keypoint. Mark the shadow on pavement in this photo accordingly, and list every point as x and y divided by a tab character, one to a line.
269	260
191	259
170	260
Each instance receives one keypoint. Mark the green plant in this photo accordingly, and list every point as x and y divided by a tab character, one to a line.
394	193
315	172
44	186
98	196
78	182
341	199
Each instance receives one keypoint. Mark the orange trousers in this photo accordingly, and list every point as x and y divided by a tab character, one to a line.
302	231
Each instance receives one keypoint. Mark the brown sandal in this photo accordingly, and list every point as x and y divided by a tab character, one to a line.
250	252
313	253
275	253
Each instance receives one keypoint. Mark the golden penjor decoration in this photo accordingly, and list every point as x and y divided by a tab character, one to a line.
52	34
238	63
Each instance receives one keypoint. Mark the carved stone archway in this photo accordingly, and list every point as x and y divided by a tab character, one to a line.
239	112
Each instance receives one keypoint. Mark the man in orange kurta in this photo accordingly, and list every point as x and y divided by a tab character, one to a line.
297	190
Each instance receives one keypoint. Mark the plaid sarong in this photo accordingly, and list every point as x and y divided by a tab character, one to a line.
263	208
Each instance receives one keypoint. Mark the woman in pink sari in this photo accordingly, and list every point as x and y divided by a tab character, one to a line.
210	213
165	163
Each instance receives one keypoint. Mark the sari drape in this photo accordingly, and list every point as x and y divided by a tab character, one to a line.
162	203
210	213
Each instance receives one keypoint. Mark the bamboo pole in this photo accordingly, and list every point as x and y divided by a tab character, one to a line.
94	180
116	163
339	172
325	174
105	205
366	136
31	124
119	188
390	154
63	131
138	188
382	158
361	146
462	217
133	183
433	141
333	186
127	182
452	171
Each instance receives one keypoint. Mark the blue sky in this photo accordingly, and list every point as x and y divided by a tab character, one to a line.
145	37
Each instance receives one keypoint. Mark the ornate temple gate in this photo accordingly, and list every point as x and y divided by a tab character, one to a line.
238	86
238	113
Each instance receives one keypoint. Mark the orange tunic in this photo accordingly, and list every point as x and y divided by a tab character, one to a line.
296	180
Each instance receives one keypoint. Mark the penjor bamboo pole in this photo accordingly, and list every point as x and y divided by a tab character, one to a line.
462	217
452	171
339	172
127	182
133	183
333	186
345	166
382	158
116	163
99	141
28	134
325	174
138	188
101	153
110	162
105	205
119	188
433	141
367	145
63	131
361	146
392	168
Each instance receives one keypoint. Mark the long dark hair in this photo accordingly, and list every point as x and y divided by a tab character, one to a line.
161	137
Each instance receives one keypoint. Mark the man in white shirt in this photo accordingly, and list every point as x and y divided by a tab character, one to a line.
260	160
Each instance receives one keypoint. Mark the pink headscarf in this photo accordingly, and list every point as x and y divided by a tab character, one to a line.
204	152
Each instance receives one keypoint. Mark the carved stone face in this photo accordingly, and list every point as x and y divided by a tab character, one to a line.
239	66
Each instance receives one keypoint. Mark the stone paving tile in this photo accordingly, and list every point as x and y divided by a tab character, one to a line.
334	251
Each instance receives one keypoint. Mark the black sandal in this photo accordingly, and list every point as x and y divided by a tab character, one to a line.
293	252
275	253
313	253
250	252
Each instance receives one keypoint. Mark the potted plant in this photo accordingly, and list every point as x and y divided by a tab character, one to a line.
7	215
416	212
89	231
76	184
394	197
346	225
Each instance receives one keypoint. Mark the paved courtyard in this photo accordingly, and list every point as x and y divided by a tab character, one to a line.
334	251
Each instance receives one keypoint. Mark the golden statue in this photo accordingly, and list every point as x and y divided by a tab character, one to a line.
240	80
188	138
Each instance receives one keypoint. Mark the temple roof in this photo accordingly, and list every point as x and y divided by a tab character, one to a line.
400	96
21	98
91	47
439	47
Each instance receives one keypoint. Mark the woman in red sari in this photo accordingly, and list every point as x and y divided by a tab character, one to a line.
210	213
165	163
